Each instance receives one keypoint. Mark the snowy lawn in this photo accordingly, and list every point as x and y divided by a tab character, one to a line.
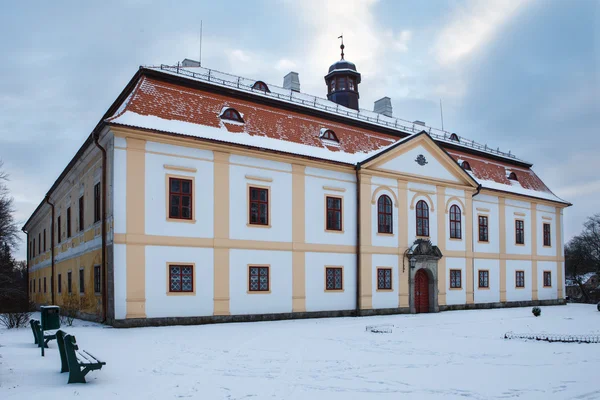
458	354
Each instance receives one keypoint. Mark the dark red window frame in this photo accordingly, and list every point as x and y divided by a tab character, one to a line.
178	196
81	214
260	85
484	279
547	235
547	279
330	135
466	166
334	213
180	271
385	216
97	211
513	177
455	222
334	278
455	279
520	279
259	278
232	115
519	231
258	206
422	219
384	278
483	229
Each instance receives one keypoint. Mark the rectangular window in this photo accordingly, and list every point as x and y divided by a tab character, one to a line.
483	228
33	247
31	286
59	230
259	206
455	279
519	231
40	285
334	213
384	279
334	278
81	215
44	240
181	278
484	279
520	279
547	279
97	202
81	281
68	222
547	239
97	287
258	279
69	282
180	198
44	284
59	283
40	243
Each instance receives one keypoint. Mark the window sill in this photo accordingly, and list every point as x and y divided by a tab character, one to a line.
456	239
258	292
181	293
455	288
423	237
520	287
334	290
483	241
519	244
333	231
483	288
249	225
547	247
547	287
185	221
385	234
385	290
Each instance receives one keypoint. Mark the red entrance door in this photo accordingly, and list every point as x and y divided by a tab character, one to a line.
421	292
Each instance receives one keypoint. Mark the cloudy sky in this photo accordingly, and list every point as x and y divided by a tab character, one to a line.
522	75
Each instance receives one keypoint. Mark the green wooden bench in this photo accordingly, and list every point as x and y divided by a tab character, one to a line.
79	362
43	337
35	336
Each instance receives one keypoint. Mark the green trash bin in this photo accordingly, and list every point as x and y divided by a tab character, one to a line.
50	319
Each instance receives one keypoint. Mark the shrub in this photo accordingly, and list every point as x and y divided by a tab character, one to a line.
15	319
536	311
70	307
599	306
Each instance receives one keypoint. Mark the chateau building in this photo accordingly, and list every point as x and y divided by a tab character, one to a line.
203	197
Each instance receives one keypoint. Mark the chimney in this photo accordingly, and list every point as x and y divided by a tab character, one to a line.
383	106
292	82
190	63
417	122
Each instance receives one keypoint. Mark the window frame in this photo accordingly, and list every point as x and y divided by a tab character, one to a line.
384	288
97	279
59	283
192	180
549	274
457	221
39	243
329	134
512	177
466	166
33	249
97	202
341	211
45	247
58	229
522	231
335	268
259	266
82	280
486	226
69	232
249	187
459	271
70	282
385	214
547	235
44	284
487	274
261	86
181	292
230	114
81	204
517	272
424	219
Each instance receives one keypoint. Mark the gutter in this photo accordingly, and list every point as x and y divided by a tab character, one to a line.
96	136
358	283
52	275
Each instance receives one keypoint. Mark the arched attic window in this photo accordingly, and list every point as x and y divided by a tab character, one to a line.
260	85
454	137
328	134
513	177
466	166
232	114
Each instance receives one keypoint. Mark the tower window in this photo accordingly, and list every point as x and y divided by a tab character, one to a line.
260	85
329	135
341	83
232	115
466	166
332	86
454	137
513	177
351	84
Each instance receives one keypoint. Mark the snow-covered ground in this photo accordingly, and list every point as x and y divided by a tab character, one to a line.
458	354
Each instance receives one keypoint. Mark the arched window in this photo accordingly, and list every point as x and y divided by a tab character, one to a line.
422	218
232	115
454	137
455	222
384	214
466	166
260	85
512	176
329	135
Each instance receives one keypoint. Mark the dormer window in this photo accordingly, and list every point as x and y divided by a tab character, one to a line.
454	137
466	166
328	134
231	114
260	85
513	177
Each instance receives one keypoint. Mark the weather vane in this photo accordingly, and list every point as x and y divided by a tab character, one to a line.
342	45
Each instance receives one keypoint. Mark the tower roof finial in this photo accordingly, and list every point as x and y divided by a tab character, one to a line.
342	45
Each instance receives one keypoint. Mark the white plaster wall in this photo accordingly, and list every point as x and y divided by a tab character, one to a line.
491	295
280	298
315	206
539	226
157	188
456	244
456	296
280	202
120	280
412	216
158	303
511	246
385	299
381	181
120	188
493	246
512	293
327	173
378	239
406	164
260	163
547	293
317	299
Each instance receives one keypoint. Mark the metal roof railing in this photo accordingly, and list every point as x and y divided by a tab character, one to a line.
280	93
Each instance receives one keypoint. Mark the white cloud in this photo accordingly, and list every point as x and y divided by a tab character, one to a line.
285	65
472	26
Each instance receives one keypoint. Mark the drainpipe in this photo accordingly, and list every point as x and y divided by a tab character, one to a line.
103	222
51	248
358	283
473	240
28	260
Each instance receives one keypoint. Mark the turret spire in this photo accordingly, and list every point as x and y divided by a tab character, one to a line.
342	45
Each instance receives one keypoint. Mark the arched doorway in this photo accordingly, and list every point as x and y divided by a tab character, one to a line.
421	292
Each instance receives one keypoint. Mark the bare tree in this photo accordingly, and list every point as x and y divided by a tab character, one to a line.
582	255
9	231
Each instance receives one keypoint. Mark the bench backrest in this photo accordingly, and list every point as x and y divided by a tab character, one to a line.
70	347
60	340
